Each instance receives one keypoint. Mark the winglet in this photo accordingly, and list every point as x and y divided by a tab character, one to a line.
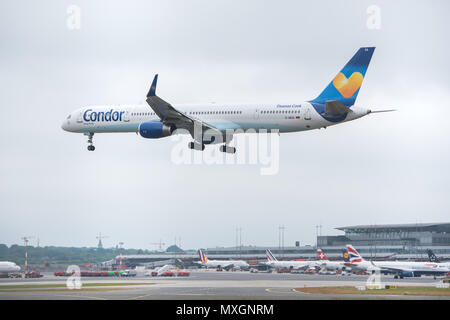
152	91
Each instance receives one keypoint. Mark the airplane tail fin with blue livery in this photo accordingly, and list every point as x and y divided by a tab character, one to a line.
345	255
345	86
270	256
353	255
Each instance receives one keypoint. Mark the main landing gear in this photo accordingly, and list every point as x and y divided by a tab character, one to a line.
196	146
200	147
91	144
227	149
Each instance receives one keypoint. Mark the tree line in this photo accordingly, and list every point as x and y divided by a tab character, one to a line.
45	256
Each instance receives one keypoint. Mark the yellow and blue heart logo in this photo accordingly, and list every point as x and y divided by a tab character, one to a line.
348	86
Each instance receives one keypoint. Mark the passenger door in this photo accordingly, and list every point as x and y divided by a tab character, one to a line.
306	113
256	115
80	117
126	116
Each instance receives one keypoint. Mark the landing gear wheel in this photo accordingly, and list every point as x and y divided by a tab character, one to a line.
196	146
227	149
91	144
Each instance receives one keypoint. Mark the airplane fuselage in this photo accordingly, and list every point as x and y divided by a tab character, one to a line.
225	263
332	265
418	268
8	267
292	264
281	117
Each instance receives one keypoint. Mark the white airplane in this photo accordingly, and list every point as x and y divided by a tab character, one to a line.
288	264
216	123
330	265
399	268
224	264
8	267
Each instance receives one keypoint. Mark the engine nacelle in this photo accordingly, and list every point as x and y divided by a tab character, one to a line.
407	274
155	129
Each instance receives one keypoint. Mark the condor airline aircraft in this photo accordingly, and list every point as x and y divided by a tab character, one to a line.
216	123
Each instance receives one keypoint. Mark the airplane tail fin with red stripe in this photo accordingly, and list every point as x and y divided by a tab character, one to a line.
353	255
203	258
322	255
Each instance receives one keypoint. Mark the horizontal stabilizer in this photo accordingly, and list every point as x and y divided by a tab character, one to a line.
335	109
379	111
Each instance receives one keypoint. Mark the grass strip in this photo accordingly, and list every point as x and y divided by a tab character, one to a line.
413	291
63	285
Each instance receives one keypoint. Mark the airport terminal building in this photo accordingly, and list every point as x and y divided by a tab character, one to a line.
399	240
389	241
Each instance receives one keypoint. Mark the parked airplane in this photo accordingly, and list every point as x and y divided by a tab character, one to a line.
224	264
216	123
399	268
288	264
8	267
330	265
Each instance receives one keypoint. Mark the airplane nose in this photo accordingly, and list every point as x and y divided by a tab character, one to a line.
65	125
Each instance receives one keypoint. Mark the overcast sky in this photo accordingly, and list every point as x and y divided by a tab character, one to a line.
384	168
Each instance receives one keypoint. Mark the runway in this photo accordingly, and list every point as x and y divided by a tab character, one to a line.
205	285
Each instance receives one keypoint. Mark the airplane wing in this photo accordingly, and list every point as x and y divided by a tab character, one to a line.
384	268
302	266
169	115
228	267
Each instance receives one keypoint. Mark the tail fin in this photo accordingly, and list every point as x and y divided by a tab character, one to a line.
346	84
202	256
431	256
353	255
345	255
270	256
322	255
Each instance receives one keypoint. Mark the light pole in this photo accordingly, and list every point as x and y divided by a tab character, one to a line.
120	264
281	239
26	240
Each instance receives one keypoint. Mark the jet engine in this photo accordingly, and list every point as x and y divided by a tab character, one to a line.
155	129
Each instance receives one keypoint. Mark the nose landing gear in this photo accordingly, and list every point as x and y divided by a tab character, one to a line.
91	144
